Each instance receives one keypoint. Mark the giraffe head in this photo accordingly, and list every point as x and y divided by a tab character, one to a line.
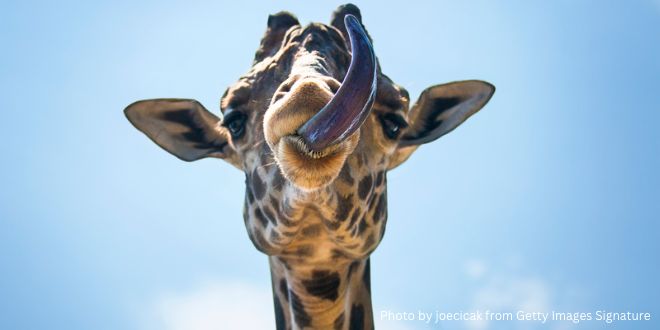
314	125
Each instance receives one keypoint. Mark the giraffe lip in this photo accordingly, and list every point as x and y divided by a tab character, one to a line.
308	169
299	143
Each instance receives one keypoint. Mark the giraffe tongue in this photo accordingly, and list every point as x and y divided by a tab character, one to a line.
350	106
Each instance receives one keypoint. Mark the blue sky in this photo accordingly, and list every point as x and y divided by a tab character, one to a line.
545	200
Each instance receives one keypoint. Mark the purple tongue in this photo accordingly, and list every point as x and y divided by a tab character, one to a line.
351	105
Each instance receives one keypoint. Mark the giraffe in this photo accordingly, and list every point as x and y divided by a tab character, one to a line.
315	153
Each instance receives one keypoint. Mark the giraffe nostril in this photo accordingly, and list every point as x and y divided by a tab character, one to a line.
285	88
282	91
278	96
305	86
333	85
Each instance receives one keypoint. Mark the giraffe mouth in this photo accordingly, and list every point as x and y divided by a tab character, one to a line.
299	143
308	168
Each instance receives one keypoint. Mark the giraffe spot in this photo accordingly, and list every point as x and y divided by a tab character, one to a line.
354	231
249	194
366	275
369	242
365	186
284	263
304	250
260	217
345	175
258	240
331	224
343	207
354	217
357	318
362	227
339	322
274	201
287	210
323	284
290	233
338	254
284	289
278	180
269	215
274	236
299	314
311	231
282	218
258	186
381	208
380	177
352	246
280	321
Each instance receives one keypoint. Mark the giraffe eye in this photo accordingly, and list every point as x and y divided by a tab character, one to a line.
392	125
234	121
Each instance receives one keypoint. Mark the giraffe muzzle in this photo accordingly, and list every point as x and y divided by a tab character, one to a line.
351	105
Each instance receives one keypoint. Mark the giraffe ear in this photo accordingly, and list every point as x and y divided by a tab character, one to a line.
182	127
438	111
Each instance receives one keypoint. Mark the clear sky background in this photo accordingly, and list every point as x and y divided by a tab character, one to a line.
548	199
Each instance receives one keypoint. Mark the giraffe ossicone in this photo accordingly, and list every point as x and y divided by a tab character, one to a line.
315	153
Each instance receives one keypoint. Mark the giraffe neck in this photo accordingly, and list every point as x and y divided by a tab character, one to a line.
334	297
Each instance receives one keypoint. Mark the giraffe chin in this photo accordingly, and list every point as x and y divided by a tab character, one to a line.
312	170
